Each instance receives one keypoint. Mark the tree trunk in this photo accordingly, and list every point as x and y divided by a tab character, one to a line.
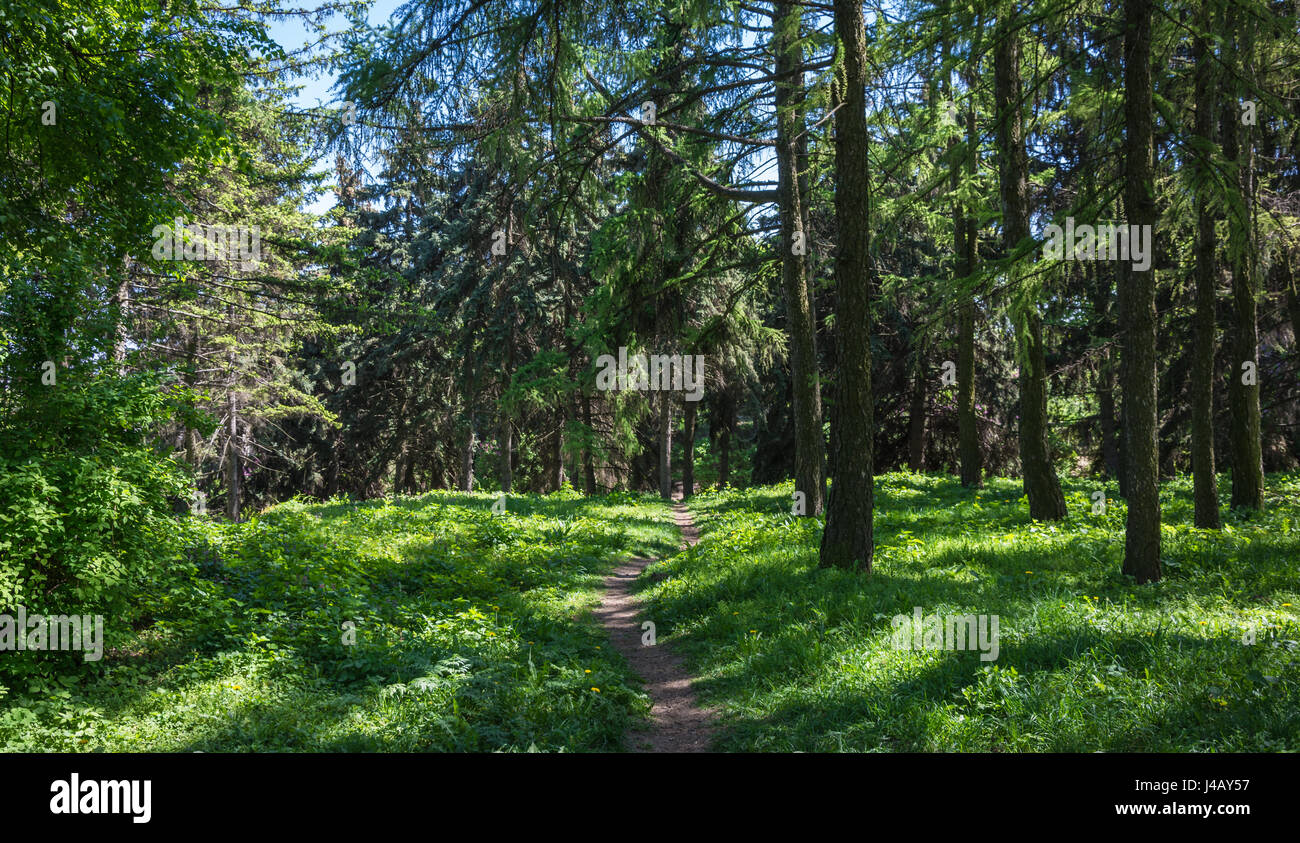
665	446
192	440
333	483
966	234
507	444
1106	408
809	447
467	460
1205	489
557	460
1243	398
916	419
506	439
847	541
1292	296
968	439
588	461
964	244
725	423
233	467
1045	499
1142	531
688	449
122	304
1105	389
232	458
408	479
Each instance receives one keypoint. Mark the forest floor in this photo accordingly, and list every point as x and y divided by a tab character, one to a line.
794	657
415	624
677	722
433	623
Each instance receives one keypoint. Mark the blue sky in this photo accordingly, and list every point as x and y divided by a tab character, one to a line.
316	90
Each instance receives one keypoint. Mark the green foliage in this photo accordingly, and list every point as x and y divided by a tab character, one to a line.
800	658
471	633
86	521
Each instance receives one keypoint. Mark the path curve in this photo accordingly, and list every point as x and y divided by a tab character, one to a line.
677	722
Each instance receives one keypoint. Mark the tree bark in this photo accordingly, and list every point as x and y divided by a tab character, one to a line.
122	304
507	445
1106	409
588	461
916	419
334	482
1205	489
801	321
408	478
1292	290
966	234
556	479
725	423
688	449
232	457
847	541
505	439
1142	530
665	446
1046	502
1105	390
1243	398
232	436
467	461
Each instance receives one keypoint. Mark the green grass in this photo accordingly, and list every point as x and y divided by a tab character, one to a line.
473	630
800	658
472	633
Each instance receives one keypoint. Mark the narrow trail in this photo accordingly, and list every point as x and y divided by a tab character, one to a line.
677	722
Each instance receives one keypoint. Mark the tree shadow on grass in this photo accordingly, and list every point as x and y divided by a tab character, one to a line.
409	586
808	626
899	715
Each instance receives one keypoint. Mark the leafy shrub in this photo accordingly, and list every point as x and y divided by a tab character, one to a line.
86	515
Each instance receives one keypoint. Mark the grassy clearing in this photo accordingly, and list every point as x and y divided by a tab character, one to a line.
801	658
472	633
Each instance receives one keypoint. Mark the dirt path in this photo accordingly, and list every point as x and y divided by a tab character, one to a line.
678	723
